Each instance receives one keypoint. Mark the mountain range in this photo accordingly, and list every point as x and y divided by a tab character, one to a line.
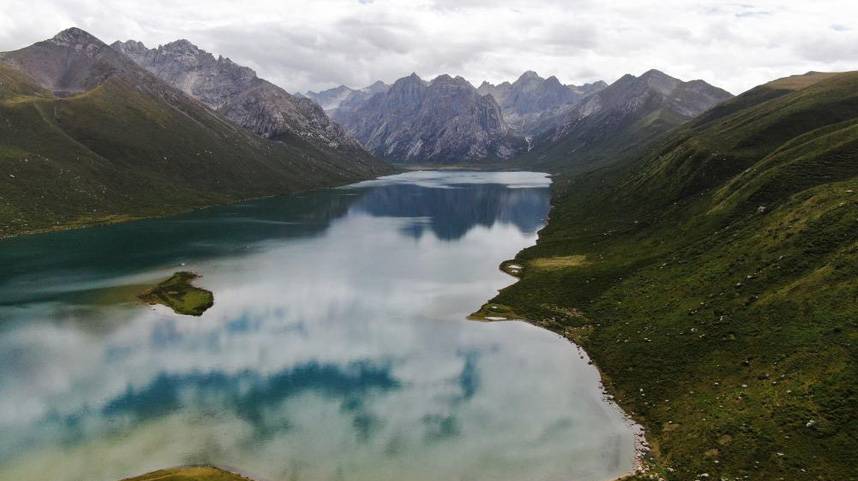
620	118
522	120
532	98
254	138
442	121
533	122
522	102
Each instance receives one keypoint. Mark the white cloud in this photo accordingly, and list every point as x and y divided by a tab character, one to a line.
302	45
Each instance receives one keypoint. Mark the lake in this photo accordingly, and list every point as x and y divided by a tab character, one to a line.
337	347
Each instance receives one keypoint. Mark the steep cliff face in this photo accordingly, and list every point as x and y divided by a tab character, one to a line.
442	121
531	99
237	93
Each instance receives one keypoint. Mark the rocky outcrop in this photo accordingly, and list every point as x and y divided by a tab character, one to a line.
442	121
237	93
531	99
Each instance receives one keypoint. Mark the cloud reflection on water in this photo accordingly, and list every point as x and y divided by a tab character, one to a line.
338	355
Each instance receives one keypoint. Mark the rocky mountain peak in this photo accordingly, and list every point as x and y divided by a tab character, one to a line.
408	83
654	73
660	81
75	37
181	45
132	46
236	92
552	81
457	81
377	86
529	75
71	62
212	80
194	57
625	79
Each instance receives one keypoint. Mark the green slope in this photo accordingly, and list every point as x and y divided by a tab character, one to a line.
718	291
133	146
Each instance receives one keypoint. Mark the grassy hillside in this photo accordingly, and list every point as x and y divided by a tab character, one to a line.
715	284
134	147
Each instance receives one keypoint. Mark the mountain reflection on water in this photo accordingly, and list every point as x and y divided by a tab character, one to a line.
451	213
337	347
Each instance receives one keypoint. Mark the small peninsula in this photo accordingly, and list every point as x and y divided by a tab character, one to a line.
180	295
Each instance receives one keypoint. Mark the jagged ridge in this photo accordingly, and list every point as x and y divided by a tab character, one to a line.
442	121
236	92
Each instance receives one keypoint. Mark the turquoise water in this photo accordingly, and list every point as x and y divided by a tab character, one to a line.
337	347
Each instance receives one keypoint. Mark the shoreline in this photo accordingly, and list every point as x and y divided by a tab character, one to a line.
641	444
642	447
113	219
515	268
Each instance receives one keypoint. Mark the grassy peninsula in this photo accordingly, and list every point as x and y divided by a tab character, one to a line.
180	295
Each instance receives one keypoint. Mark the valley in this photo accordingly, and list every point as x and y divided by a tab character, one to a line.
684	261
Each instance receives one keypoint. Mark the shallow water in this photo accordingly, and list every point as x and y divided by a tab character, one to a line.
337	348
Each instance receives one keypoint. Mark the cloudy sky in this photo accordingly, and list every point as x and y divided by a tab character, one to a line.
304	45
